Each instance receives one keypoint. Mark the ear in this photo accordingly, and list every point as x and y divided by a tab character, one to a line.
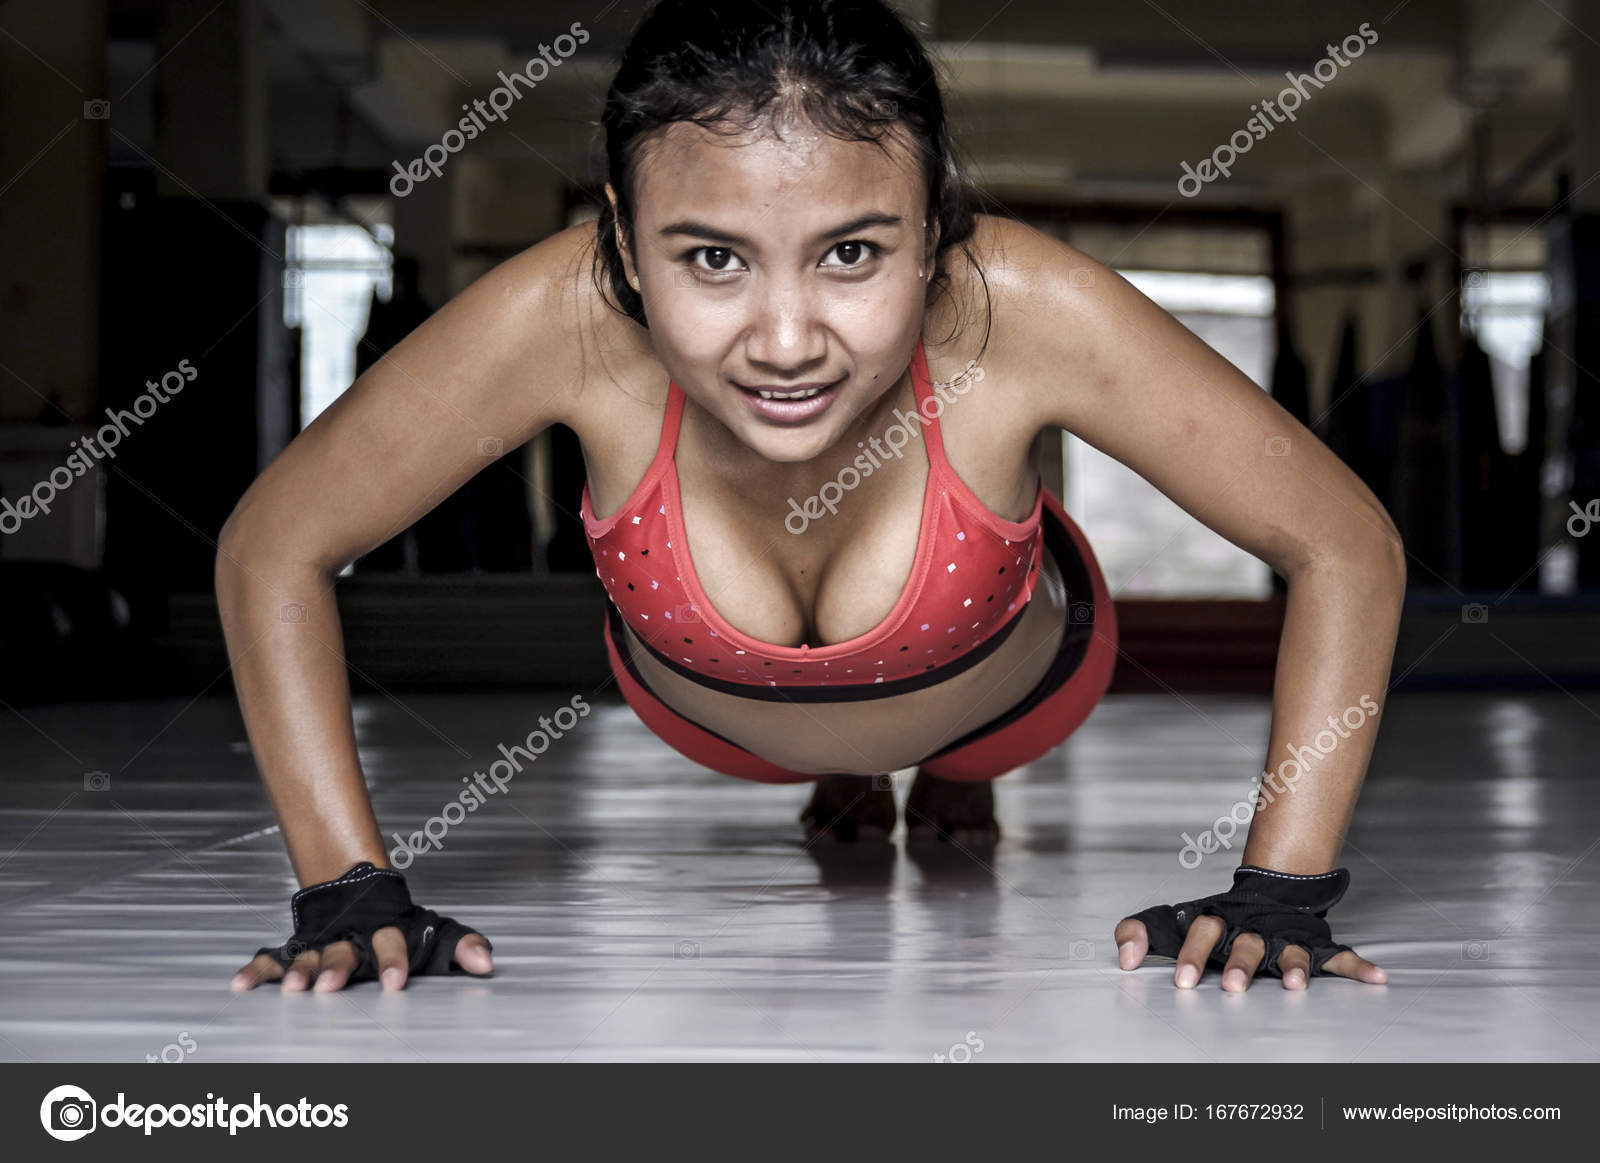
616	223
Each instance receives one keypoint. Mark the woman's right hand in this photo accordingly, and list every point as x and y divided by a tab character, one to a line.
330	969
364	925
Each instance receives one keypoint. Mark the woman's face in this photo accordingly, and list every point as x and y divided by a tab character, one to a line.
794	266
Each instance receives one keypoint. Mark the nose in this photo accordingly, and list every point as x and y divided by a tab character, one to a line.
786	336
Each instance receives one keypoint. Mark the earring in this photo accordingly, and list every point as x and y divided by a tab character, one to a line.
635	281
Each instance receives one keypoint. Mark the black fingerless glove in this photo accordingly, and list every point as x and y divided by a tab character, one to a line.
1283	908
356	905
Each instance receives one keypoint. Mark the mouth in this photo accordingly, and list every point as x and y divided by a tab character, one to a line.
791	403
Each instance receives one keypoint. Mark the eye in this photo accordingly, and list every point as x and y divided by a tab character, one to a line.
717	259
854	252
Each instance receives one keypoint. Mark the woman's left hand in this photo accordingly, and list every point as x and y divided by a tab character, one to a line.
1269	920
1249	950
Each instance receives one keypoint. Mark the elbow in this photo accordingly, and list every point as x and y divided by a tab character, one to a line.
1387	552
1374	553
233	550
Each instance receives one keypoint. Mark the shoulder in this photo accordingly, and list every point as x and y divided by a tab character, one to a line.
1034	276
568	333
1030	309
1059	320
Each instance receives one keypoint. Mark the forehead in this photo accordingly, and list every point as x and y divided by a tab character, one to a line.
789	176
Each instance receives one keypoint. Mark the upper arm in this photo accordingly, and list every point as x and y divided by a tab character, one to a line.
499	362
1144	389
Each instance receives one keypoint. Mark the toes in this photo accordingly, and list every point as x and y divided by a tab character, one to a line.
959	812
849	809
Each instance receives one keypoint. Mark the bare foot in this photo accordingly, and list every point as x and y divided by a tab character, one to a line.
953	811
848	808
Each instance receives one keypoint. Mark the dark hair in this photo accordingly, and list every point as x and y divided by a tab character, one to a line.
852	67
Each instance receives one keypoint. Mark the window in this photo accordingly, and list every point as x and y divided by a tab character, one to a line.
1216	282
333	270
1505	296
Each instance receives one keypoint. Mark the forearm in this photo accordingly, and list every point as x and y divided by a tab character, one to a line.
286	650
1334	659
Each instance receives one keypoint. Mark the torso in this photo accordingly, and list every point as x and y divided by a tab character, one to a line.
841	579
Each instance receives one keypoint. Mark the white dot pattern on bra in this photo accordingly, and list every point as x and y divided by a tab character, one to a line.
647	579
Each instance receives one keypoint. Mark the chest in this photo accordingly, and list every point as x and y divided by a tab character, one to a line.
808	567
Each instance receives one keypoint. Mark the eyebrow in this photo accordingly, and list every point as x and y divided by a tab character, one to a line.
703	230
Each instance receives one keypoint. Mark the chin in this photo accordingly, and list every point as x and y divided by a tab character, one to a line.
788	446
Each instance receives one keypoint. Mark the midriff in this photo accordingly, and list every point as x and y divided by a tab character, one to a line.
882	734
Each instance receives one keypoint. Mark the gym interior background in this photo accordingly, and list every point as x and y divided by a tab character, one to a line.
221	198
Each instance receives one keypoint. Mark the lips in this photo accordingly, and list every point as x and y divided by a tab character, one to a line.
791	403
790	394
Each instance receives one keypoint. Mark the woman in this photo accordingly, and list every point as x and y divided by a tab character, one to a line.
789	343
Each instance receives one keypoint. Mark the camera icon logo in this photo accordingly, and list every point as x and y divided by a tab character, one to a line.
97	781
293	612
68	1113
684	612
1474	950
1474	277
1081	950
1475	612
1082	612
293	280
98	109
686	279
1081	277
491	446
686	951
1277	446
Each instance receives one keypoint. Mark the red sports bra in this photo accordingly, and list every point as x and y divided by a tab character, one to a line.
972	575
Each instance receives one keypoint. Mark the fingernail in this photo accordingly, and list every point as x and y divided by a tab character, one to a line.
1187	976
392	978
1122	949
1296	978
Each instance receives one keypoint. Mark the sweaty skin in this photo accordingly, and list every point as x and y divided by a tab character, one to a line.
750	276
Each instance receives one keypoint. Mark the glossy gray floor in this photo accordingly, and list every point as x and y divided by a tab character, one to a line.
645	909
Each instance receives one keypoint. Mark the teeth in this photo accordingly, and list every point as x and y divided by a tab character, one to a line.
805	395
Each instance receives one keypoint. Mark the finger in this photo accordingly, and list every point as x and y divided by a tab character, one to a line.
1203	936
1353	965
472	954
394	966
1246	956
1294	963
262	968
302	972
1133	942
339	961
